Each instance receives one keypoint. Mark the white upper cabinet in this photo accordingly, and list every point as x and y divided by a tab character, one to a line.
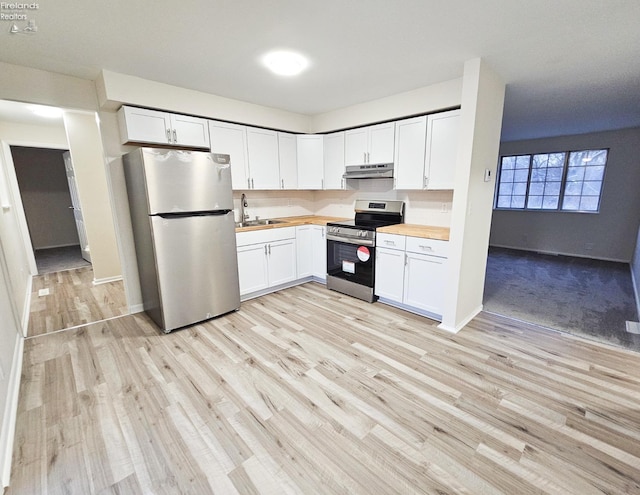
426	148
189	131
262	153
356	146
231	139
369	145
141	125
443	130
287	151
310	161
411	138
334	160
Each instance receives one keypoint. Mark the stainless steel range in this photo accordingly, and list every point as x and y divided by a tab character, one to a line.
351	247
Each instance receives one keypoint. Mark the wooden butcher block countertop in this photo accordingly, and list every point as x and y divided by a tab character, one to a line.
293	222
413	230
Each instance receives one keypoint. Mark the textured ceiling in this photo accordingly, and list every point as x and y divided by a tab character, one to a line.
570	66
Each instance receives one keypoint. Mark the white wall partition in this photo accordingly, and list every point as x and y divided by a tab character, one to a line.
480	124
11	345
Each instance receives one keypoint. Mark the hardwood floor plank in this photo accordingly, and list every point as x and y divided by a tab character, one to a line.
73	300
311	391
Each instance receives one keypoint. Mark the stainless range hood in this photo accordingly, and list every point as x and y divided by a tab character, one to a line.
377	171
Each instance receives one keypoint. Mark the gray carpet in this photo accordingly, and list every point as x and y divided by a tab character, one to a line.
590	298
59	259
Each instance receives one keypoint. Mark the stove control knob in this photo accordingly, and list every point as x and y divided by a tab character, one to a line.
333	230
362	233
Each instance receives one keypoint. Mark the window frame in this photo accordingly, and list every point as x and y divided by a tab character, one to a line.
563	181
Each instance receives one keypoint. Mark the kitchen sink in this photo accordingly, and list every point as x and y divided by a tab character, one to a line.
253	223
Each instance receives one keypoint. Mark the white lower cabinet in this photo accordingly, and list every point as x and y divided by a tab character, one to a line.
423	282
410	272
390	273
266	258
312	252
252	268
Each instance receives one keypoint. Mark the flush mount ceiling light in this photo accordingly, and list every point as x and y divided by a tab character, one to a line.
285	63
44	111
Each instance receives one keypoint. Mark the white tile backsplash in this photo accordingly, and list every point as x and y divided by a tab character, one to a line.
421	207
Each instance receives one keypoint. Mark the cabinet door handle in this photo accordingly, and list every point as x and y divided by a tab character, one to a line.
364	156
322	183
248	183
389	243
175	137
282	181
341	183
251	183
265	249
426	248
169	136
426	182
406	259
269	249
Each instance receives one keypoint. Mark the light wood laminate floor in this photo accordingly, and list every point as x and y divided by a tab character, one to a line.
307	391
68	299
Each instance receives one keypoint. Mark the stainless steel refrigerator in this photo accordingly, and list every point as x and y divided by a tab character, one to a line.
181	208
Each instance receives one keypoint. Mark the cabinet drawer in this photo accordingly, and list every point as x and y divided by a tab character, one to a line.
428	246
391	241
265	235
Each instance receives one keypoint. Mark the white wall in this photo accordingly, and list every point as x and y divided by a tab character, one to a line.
419	101
33	135
480	124
38	86
610	234
87	155
11	344
116	89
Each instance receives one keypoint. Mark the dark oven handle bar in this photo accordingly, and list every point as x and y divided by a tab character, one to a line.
346	240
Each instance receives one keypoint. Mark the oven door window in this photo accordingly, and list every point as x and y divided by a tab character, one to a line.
351	262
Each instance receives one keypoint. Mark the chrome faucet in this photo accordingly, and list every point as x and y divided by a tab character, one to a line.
243	204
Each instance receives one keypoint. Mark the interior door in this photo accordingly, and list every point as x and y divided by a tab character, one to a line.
75	206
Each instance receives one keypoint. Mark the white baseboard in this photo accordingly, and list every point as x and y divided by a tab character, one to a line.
136	308
555	253
463	323
636	289
269	290
26	310
411	309
39	248
7	434
106	280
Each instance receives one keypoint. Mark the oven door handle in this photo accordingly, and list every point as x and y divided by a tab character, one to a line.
358	242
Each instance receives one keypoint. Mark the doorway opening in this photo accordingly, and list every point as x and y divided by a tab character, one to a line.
49	196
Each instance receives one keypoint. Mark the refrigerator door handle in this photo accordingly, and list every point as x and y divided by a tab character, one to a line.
210	213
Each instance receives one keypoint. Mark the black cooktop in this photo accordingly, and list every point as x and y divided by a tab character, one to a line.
364	224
